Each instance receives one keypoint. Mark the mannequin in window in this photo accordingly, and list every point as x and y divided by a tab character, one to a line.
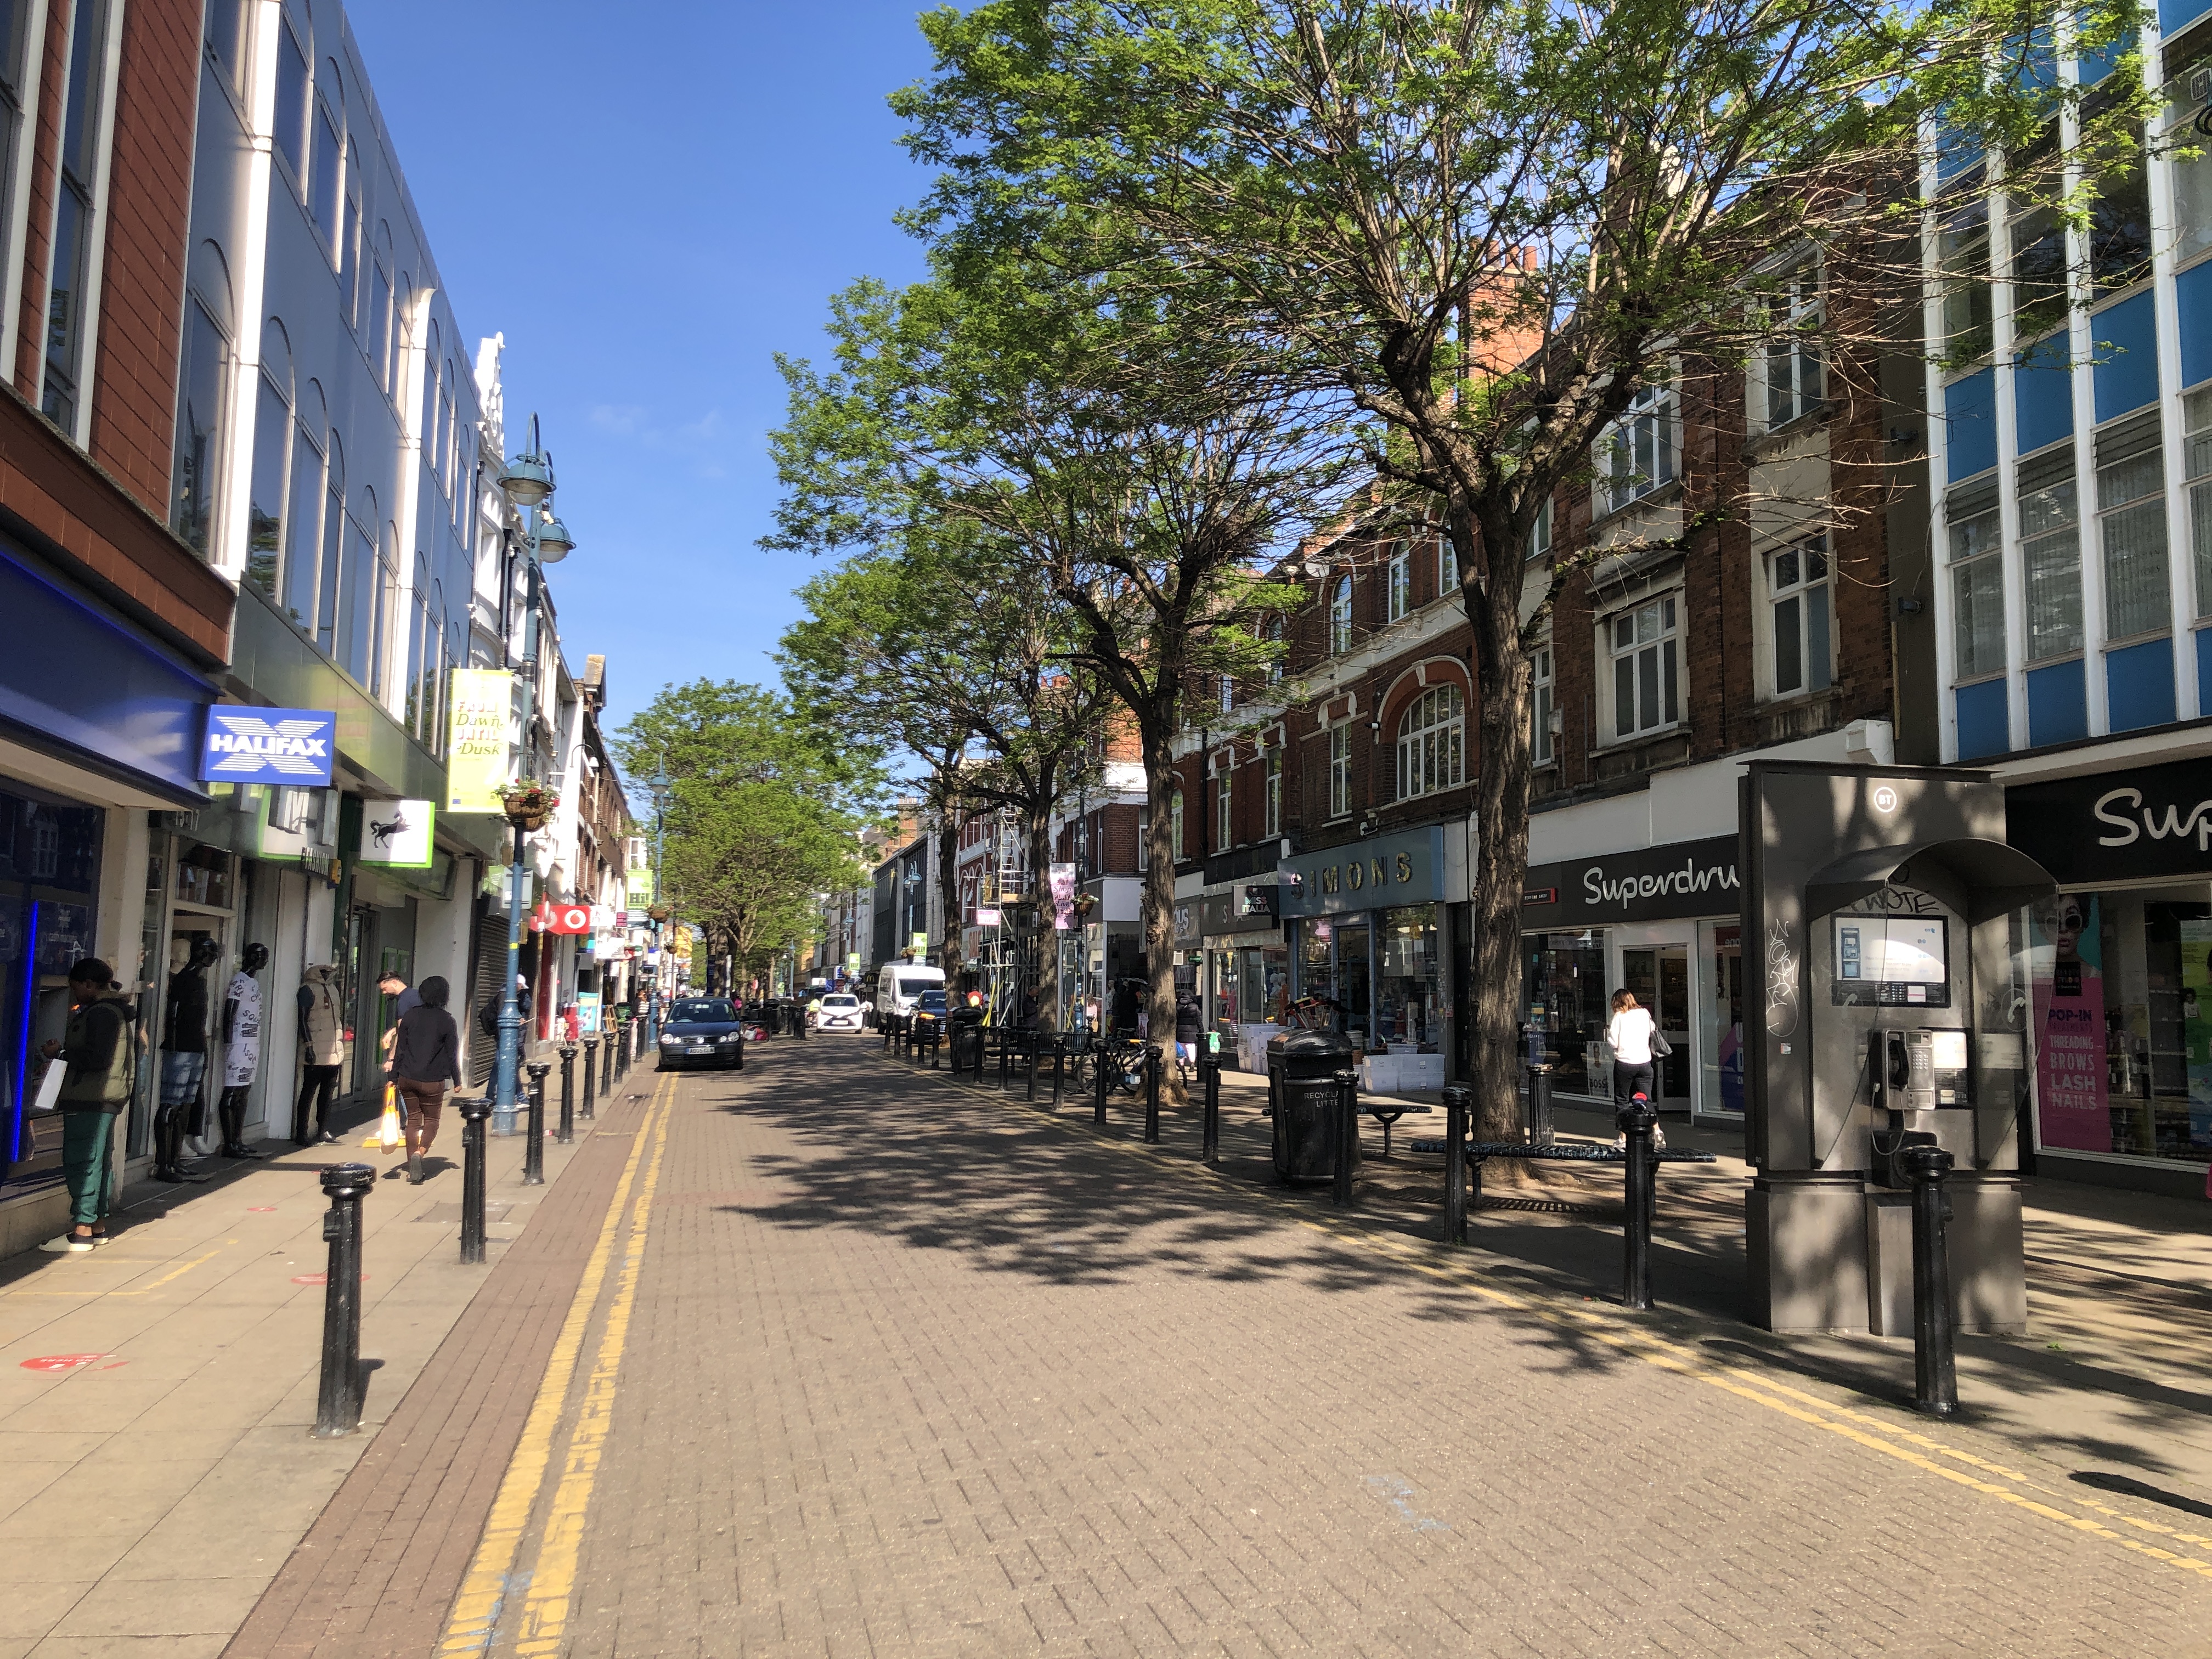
241	1049
183	1108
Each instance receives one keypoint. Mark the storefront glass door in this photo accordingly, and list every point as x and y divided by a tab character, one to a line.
1659	975
1720	1019
1355	973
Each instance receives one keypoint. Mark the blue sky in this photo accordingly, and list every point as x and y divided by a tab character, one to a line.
689	183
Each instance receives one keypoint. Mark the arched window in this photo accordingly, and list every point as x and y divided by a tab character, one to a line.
330	124
1432	743
1340	617
303	536
428	429
379	308
202	381
334	539
272	448
1174	824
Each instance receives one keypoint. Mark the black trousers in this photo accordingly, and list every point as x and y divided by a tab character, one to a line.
315	1080
1628	1080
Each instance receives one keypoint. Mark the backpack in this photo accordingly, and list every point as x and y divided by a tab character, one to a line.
488	1019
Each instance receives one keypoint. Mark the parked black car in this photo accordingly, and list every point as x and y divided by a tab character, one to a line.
701	1031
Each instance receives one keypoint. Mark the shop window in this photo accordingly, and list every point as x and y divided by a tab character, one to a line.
2120	999
2050	554
1636	455
1339	771
1641	642
1432	743
2131	531
1273	770
1340	617
1541	742
1790	368
1974	544
1409	1010
1797	589
1401	581
1562	1007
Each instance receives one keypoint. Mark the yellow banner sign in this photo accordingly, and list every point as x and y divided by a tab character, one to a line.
478	759
638	884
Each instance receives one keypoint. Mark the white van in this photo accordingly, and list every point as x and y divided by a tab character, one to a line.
899	984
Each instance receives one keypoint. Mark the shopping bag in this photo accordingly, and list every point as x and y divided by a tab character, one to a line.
49	1098
387	1134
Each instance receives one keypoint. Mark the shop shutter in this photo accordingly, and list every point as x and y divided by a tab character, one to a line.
487	963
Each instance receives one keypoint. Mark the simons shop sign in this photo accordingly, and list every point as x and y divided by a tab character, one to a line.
1651	883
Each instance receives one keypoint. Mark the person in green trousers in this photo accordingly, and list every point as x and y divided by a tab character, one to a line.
99	1046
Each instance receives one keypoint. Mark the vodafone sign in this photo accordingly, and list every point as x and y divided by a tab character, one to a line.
553	918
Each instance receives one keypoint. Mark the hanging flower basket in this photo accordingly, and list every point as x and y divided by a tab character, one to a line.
528	805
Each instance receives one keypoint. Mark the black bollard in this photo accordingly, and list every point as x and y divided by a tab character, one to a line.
1030	1047
568	1134
591	1064
1152	1091
889	1026
1006	1060
473	1114
1347	1135
1459	1100
1100	1058
337	1405
1209	1076
798	1022
622	1052
1934	1361
1540	1106
1636	1119
1059	1067
607	1066
533	1148
976	1040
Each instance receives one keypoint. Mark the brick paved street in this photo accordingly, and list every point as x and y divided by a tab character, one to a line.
880	1365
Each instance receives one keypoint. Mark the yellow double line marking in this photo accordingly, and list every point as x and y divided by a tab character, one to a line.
475	1619
1808	1409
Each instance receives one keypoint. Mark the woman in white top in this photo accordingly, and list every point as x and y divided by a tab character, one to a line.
1630	1033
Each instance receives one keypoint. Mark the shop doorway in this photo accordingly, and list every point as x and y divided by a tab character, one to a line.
1659	975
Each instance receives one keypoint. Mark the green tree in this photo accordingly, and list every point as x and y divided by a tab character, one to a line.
764	815
1486	228
1128	460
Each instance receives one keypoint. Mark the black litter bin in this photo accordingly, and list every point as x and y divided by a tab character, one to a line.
967	1028
1302	1068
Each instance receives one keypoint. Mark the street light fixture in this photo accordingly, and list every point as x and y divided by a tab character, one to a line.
526	480
658	913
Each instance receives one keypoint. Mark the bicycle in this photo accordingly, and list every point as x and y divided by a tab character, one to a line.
1122	1060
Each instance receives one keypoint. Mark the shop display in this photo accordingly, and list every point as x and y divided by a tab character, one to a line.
241	1050
183	1111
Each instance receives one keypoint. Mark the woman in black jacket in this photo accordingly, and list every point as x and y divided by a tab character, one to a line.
426	1057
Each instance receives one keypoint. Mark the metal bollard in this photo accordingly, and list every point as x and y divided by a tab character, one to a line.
1030	1046
1934	1360
1347	1135
1100	1057
337	1404
1152	1091
1539	1105
1209	1076
607	1066
1459	1102
1636	1119
473	1114
798	1022
622	1052
591	1063
533	1150
1006	1060
888	1027
568	1134
1059	1067
977	1050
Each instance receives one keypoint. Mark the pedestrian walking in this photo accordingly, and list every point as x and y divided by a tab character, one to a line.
403	997
426	1057
322	1051
1630	1032
99	1046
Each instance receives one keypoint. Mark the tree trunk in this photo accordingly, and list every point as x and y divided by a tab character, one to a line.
1045	940
1501	856
1157	910
948	876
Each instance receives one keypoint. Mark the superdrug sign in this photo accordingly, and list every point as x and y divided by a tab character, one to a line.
2117	826
1651	883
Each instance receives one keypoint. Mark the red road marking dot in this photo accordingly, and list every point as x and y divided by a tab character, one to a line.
63	1362
314	1279
260	1209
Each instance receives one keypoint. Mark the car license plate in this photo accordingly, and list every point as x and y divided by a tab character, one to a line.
701	1049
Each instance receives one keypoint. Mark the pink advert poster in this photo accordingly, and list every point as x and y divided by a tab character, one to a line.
2068	979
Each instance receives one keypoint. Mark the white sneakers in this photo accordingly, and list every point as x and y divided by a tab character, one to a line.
69	1245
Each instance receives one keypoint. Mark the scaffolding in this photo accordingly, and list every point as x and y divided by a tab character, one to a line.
998	961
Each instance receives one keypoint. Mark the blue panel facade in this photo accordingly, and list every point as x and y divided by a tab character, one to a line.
1982	727
1970	424
2043	394
2139	685
2125	340
2058	704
